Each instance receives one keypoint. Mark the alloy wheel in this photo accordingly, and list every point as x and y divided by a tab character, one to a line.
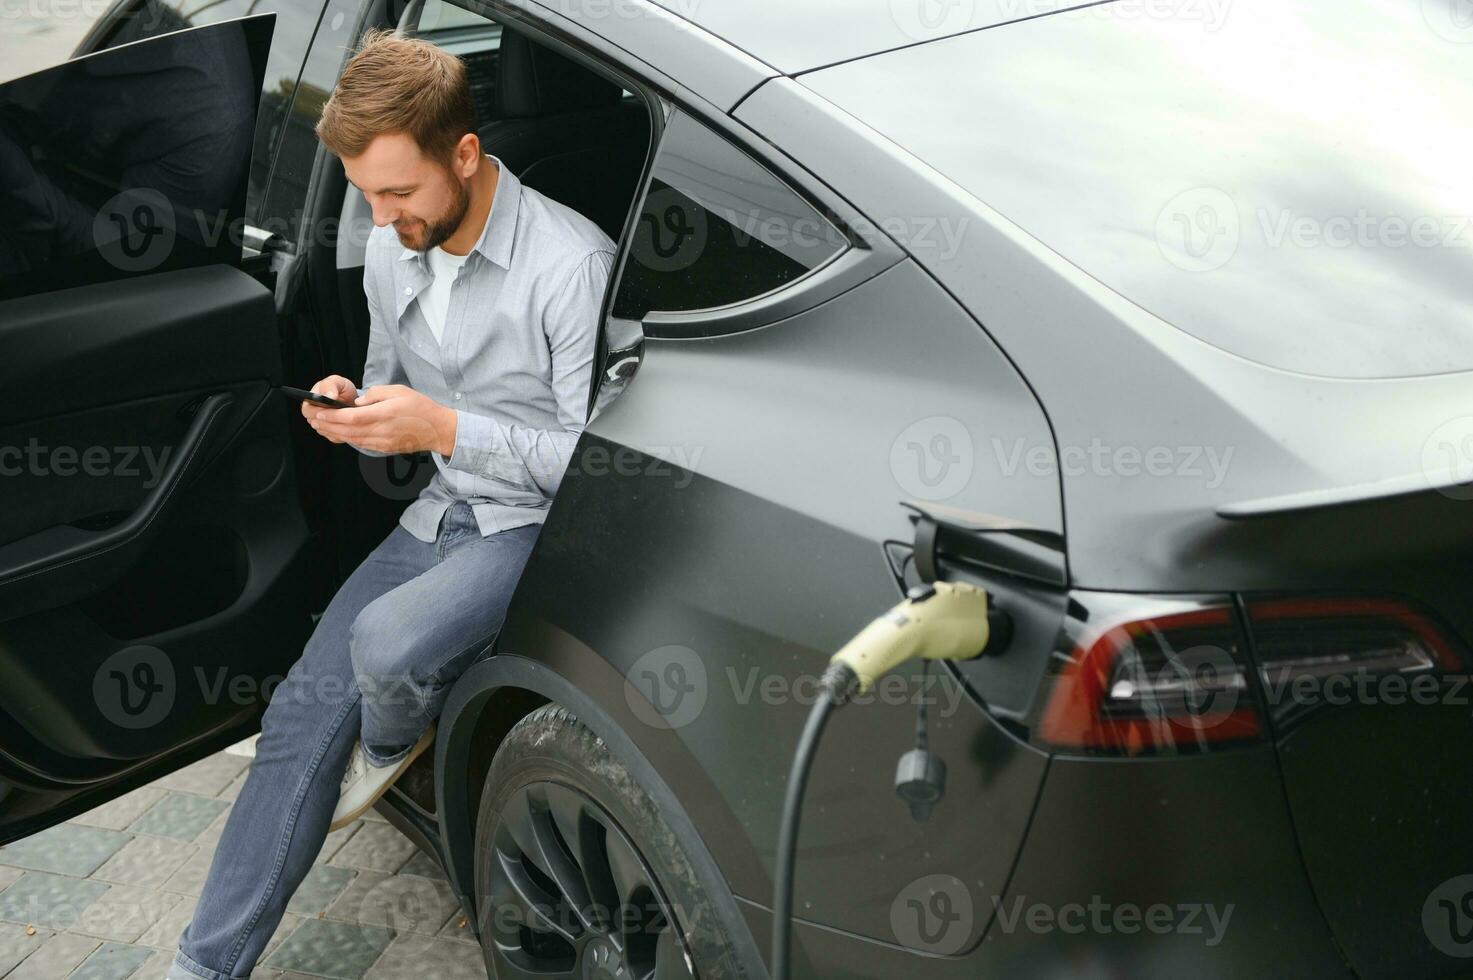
571	896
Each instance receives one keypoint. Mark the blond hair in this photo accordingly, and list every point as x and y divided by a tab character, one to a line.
396	84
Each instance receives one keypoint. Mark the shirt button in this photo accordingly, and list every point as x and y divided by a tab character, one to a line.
408	290
457	396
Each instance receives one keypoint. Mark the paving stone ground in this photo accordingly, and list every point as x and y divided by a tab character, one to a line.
36	34
105	896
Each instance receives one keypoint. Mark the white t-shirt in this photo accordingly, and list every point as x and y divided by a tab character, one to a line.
434	301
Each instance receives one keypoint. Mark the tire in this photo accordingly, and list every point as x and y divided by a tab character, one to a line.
577	872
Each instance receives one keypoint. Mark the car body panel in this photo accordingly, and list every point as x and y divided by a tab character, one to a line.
726	518
1113	376
1205	844
852	385
1372	826
1147	869
721	743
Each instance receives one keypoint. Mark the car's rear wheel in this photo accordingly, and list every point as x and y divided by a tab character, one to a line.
577	874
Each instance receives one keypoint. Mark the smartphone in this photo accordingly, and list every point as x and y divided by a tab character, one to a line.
311	396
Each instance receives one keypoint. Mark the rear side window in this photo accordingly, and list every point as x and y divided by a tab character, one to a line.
716	228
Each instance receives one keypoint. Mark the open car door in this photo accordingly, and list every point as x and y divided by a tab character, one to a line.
154	566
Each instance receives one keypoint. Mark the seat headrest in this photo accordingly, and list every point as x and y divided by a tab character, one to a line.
532	80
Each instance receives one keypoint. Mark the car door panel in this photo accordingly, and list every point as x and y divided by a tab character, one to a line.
107	344
65	561
156	568
209	609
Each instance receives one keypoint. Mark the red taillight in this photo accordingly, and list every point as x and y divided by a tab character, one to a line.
1160	675
1152	681
1316	652
1323	622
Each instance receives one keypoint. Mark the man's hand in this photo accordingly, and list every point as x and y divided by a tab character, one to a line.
389	419
334	386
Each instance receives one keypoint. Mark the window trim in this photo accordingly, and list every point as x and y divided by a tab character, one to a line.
838	274
746	307
867	255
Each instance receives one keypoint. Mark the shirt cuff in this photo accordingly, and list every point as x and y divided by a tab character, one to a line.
481	449
490	450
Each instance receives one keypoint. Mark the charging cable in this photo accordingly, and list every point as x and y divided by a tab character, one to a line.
936	621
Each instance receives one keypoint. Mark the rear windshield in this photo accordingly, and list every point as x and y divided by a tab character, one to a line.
1290	181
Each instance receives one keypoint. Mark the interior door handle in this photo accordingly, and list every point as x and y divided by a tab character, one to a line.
62	563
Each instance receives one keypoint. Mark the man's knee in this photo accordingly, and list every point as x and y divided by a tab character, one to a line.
383	644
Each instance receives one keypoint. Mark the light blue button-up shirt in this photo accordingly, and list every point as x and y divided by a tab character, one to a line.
515	360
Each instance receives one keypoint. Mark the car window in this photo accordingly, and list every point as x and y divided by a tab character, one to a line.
128	161
438	15
295	22
331	47
716	228
471	37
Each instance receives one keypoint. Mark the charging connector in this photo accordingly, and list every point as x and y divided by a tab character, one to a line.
936	621
920	778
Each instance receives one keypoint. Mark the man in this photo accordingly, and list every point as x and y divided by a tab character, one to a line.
484	298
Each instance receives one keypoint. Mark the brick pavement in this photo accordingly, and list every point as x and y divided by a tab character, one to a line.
105	896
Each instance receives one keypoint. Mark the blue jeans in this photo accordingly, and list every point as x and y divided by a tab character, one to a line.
402	628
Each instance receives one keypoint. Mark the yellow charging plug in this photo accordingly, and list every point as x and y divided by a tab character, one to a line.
941	621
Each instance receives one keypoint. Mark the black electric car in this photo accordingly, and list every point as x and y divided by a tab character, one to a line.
1153	320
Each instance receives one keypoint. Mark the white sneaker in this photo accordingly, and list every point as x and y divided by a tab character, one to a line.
364	783
245	749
